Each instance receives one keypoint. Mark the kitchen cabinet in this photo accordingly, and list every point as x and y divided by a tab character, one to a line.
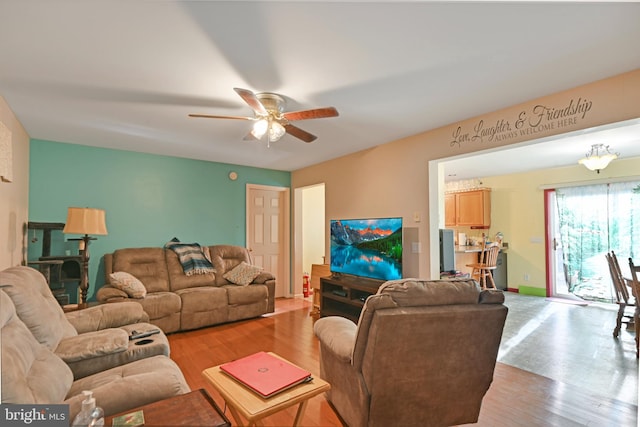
468	208
449	209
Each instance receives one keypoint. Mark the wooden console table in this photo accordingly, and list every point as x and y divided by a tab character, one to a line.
318	271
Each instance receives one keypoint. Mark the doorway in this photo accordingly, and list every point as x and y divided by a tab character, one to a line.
558	148
584	223
267	232
310	227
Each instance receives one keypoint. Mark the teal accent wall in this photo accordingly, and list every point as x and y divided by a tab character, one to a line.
148	199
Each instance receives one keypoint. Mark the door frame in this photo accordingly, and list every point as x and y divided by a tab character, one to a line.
550	253
285	211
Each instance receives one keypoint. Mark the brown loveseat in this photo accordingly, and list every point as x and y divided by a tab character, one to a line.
423	354
177	302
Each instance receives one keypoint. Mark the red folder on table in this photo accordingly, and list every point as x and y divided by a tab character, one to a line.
265	373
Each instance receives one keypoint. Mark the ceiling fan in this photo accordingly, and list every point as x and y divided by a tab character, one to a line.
271	119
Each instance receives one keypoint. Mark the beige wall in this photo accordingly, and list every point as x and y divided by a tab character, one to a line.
14	196
402	178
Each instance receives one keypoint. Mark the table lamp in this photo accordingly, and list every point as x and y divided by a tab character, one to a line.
85	221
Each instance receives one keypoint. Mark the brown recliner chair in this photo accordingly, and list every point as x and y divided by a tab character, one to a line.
90	340
33	374
422	354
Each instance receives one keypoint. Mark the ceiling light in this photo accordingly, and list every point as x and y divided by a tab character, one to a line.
260	128
272	128
276	131
598	158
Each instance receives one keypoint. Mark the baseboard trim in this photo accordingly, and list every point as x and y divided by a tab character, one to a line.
530	290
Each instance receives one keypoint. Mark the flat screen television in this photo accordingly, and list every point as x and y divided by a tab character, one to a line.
367	247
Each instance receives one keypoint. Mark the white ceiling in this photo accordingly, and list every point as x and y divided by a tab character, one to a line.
125	75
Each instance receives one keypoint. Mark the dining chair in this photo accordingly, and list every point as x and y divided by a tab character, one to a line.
635	286
487	262
623	299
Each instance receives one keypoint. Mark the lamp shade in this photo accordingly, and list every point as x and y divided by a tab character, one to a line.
85	221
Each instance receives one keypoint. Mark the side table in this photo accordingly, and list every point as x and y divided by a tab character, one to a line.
194	409
244	402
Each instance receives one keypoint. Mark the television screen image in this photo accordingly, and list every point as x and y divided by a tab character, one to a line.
367	247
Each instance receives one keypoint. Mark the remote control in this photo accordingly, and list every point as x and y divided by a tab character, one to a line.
136	335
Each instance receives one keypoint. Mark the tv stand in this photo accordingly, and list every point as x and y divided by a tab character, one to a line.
343	295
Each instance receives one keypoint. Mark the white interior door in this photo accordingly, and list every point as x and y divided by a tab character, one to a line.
267	232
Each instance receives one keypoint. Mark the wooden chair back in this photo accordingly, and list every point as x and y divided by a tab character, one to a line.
619	287
635	287
635	272
491	256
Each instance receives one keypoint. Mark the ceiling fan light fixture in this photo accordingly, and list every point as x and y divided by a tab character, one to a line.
598	158
270	116
260	128
276	131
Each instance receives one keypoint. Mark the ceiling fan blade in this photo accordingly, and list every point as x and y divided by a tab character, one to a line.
317	113
209	116
299	133
253	101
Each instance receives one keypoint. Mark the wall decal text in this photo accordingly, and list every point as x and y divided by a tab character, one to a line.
539	119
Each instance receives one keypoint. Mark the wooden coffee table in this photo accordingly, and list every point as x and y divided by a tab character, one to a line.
243	402
190	409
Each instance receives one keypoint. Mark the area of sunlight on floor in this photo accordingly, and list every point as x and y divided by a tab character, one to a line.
571	343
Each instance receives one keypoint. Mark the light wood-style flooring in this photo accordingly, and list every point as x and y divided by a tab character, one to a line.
516	397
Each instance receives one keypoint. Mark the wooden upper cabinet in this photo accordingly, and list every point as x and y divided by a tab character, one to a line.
468	208
449	209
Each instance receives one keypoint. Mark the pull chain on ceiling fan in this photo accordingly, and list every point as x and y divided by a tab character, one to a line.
271	119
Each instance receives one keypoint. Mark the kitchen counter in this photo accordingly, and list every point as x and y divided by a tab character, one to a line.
472	249
468	249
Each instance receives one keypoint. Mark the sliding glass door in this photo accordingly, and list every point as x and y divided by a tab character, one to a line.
584	223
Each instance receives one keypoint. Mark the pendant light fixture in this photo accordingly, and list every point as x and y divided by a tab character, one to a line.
598	158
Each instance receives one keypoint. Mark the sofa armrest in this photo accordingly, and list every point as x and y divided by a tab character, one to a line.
92	344
491	296
105	316
263	277
110	294
336	334
271	294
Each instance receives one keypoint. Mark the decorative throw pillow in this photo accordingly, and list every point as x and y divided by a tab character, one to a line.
128	283
242	274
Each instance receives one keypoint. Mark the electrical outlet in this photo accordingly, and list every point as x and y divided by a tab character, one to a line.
526	277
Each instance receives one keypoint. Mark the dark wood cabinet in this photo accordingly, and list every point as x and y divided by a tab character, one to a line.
345	295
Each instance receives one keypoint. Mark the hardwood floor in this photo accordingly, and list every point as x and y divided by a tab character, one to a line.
516	397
